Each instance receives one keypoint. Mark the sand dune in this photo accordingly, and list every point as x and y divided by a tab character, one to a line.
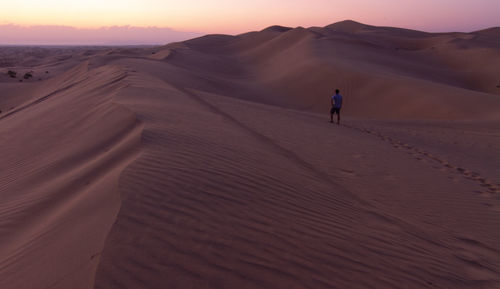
378	68
211	163
60	151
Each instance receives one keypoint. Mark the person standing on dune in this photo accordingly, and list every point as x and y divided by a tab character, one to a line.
336	102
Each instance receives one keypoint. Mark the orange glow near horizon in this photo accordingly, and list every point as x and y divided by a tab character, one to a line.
200	15
228	16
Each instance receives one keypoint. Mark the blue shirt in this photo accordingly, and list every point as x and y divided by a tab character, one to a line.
337	100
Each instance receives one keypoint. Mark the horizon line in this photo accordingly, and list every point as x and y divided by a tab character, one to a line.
169	34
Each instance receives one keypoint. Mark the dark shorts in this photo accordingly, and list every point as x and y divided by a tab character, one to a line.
335	110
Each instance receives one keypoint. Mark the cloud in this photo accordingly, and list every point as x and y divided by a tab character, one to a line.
11	34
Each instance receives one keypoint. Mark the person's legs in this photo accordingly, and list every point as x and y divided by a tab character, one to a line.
338	115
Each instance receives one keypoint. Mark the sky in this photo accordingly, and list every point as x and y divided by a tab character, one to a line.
161	21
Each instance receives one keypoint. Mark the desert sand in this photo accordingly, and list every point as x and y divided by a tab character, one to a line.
211	163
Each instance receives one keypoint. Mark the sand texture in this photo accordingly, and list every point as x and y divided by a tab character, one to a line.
211	163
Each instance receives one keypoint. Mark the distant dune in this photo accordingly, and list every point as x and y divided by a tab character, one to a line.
211	163
386	72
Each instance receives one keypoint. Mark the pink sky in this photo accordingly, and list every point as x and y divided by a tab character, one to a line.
162	21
